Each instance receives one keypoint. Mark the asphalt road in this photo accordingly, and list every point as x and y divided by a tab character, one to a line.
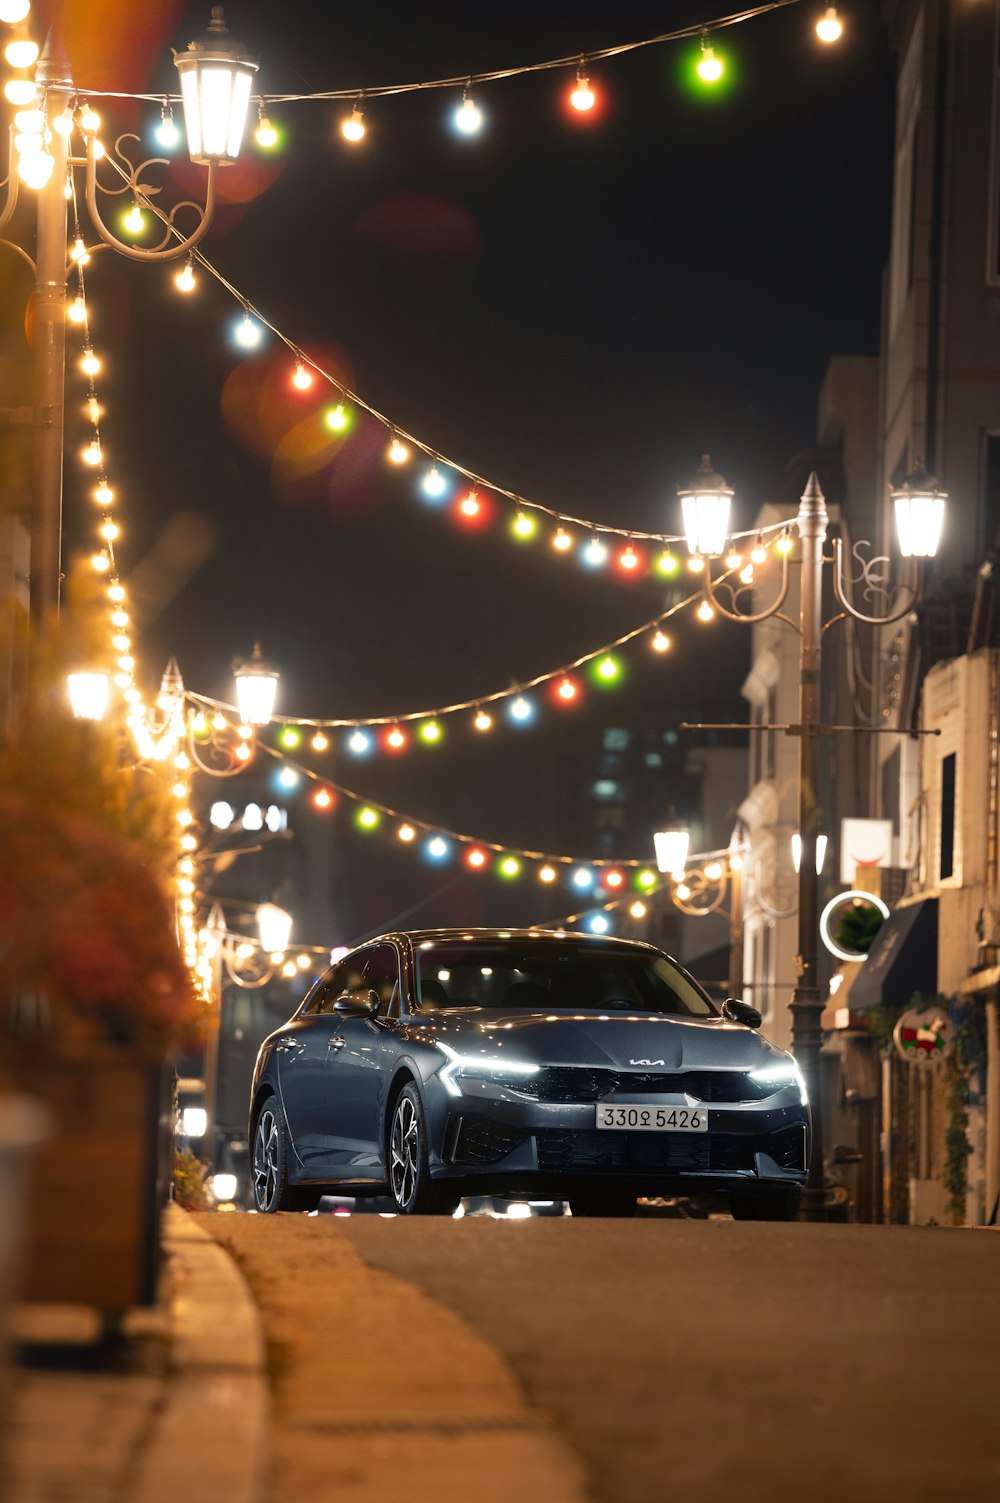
718	1360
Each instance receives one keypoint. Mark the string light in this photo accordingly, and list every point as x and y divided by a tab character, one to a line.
353	127
184	279
524	526
784	544
76	312
829	27
709	66
705	612
660	642
319	742
265	135
89	363
434	484
406	833
758	553
398	453
583	97
469	505
567	690
595	553
167	133
628	559
21	53
134	221
336	418
468	117
303	377
482	720
248	332
562	541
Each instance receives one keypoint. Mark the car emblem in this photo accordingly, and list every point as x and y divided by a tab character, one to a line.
647	1062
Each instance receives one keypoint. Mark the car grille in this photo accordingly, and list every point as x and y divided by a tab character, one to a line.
571	1083
482	1141
681	1153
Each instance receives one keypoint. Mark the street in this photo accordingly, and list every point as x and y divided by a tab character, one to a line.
707	1359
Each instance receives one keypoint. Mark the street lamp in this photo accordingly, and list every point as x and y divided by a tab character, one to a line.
215	80
705	509
275	928
256	687
920	506
89	692
704	888
821	845
671	847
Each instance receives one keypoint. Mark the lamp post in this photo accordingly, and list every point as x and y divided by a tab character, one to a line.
704	887
920	506
216	77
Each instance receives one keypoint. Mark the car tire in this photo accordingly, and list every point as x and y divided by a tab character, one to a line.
269	1166
413	1191
765	1205
606	1203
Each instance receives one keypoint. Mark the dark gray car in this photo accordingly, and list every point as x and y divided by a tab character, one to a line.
441	1063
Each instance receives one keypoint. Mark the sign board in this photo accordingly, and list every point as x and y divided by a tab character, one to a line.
864	842
923	1038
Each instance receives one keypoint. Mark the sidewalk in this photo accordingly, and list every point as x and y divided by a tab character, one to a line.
176	1410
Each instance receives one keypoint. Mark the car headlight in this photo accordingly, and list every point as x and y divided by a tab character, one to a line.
480	1067
781	1073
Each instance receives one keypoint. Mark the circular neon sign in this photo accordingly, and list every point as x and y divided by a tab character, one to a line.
853	895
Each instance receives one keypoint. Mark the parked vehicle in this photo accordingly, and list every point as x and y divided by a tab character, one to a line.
438	1064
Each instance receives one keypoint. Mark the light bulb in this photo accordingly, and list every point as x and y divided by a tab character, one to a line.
100	562
433	483
322	798
303	377
476	857
567	690
116	592
13	11
109	530
468	117
829	27
608	669
482	721
509	867
398	451
103	494
265	135
77	311
30	121
784	544
637	910
319	742
613	878
119	618
547	874
660	642
709	66
184	279
20	91
359	743
406	833
696	563
595	553
92	453
734	560
521	709
89	120
21	53
758	553
337	418
166	132
134	221
628	559
583	97
36	169
430	732
89	363
94	411
395	738
705	611
353	128
524	526
78	252
367	817
746	574
469	505
562	540
248	332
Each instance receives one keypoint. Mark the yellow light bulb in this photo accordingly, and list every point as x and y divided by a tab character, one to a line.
109	530
119	618
116	592
134	221
746	575
829	27
524	525
683	891
705	611
734	560
245	732
184	279
77	311
319	742
120	642
483	721
122	680
353	128
89	120
89	363
243	752
713	871
784	544
78	252
189	843
709	66
100	562
547	874
219	721
696	563
93	410
398	452
758	553
336	418
265	135
660	642
406	833
562	540
92	453
21	53
637	910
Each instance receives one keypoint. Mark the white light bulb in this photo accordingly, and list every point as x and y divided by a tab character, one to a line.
468	117
353	128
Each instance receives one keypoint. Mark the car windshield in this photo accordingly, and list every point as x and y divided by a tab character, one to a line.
542	977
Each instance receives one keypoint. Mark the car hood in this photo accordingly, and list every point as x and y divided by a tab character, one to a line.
619	1042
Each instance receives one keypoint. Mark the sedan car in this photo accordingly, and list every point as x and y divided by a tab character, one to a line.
441	1063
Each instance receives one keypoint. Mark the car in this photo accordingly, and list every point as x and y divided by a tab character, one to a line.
441	1063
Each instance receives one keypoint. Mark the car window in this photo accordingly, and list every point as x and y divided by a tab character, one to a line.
347	976
555	976
381	974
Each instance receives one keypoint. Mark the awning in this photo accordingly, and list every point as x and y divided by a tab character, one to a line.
902	960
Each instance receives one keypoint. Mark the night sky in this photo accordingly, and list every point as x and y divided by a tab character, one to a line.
577	309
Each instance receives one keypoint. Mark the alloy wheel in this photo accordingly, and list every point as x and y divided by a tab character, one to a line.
404	1151
266	1150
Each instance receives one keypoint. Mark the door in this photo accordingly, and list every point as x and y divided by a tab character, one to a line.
303	1055
355	1071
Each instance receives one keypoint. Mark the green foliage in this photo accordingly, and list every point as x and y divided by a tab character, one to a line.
967	1058
858	928
190	1190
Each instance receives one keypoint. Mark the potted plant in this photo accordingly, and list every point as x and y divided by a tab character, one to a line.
94	994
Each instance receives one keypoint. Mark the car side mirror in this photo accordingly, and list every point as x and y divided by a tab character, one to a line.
737	1011
360	1004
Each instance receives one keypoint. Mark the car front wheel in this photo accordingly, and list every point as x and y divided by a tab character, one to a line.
271	1190
765	1205
413	1191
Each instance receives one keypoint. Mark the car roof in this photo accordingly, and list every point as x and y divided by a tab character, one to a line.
416	937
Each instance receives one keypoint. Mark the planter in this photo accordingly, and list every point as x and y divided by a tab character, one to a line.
92	1234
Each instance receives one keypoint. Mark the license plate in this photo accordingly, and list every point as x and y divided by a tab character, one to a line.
653	1118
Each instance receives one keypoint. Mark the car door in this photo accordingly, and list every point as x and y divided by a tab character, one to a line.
303	1055
355	1062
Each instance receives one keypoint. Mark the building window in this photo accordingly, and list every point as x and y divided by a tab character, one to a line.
946	864
904	188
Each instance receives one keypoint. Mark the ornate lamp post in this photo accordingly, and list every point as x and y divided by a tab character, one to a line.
920	506
216	77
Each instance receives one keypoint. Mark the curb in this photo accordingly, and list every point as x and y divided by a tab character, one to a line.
211	1438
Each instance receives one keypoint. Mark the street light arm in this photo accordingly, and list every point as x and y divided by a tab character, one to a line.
141	192
773	611
872	583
